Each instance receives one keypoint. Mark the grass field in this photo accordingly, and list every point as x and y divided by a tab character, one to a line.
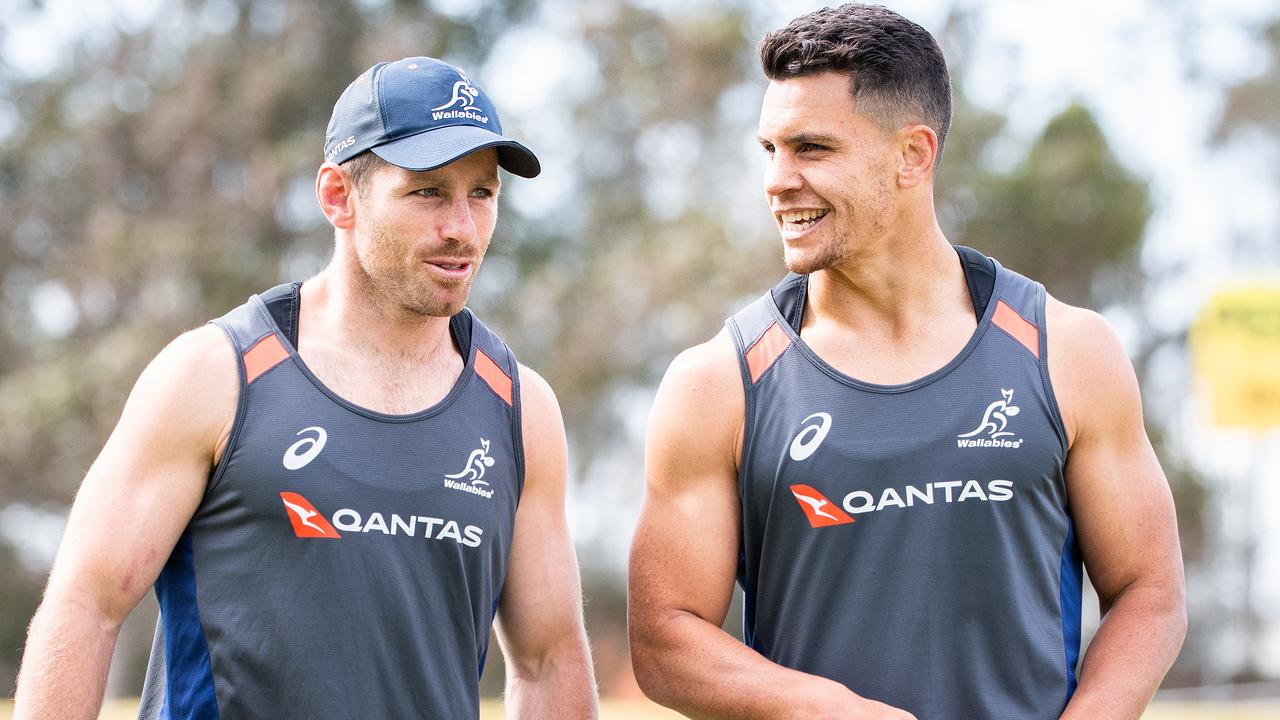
640	710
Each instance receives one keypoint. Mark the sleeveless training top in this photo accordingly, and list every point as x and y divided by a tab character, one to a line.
343	563
912	541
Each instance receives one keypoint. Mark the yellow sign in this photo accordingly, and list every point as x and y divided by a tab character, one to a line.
1235	346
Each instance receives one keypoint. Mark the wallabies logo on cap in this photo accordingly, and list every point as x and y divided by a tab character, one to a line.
464	93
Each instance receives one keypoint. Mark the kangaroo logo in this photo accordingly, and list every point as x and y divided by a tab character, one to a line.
464	94
477	461
820	511
996	418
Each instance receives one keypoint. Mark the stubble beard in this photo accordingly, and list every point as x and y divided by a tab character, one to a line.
832	252
383	275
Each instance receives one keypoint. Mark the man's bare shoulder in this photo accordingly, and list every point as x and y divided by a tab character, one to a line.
190	389
712	364
1088	365
696	423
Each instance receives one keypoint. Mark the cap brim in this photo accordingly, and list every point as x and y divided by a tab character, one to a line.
441	146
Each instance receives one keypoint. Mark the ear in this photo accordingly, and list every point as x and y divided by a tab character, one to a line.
336	195
918	145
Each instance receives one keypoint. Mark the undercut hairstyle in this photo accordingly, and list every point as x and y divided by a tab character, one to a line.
361	167
896	70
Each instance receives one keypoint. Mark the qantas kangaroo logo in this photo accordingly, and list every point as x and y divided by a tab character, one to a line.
820	511
307	521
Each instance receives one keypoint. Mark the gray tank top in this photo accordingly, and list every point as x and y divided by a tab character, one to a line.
343	563
913	541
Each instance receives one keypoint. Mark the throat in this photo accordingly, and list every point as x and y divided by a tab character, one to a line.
390	381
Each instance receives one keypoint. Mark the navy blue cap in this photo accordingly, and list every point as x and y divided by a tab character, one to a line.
420	113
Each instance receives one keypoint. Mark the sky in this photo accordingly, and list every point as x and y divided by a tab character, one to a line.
1152	71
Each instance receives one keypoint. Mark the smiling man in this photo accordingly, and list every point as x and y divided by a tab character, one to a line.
338	484
903	451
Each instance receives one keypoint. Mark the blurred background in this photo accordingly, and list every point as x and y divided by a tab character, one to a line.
157	161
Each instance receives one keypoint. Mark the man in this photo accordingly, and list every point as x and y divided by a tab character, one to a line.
902	451
335	486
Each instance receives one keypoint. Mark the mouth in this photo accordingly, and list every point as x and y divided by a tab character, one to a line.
800	221
450	268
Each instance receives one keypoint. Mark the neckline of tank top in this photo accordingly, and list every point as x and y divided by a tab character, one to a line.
984	323
461	335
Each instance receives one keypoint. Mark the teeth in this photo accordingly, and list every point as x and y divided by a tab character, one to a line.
798	216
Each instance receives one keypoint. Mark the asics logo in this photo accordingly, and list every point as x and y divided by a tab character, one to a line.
820	511
306	449
992	428
810	436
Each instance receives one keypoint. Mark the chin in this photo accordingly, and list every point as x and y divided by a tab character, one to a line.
813	259
804	264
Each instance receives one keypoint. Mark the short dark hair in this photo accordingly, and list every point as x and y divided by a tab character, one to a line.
896	69
360	167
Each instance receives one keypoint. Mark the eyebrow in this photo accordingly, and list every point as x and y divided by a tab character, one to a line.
803	138
419	177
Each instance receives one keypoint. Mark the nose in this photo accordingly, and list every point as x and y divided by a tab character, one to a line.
457	223
781	174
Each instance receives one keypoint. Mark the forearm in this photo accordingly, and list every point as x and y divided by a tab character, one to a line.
1137	641
65	663
694	667
559	685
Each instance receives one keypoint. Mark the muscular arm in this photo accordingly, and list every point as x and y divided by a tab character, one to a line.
1124	518
685	554
132	506
540	625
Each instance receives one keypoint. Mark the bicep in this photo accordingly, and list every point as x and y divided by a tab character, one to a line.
685	552
1121	502
144	486
541	598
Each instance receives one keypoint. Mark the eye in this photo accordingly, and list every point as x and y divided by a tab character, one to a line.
483	192
812	147
427	192
767	147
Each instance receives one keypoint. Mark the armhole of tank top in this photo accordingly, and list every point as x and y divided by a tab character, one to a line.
220	469
748	402
517	428
1055	413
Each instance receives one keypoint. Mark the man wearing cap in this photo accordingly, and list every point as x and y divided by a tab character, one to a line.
336	486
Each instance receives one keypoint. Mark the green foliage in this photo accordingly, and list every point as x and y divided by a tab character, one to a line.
1069	214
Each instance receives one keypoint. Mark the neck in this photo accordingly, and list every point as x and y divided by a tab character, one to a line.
343	307
910	274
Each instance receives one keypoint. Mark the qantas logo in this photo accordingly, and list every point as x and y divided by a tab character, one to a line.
306	449
309	523
820	511
810	436
992	432
471	477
